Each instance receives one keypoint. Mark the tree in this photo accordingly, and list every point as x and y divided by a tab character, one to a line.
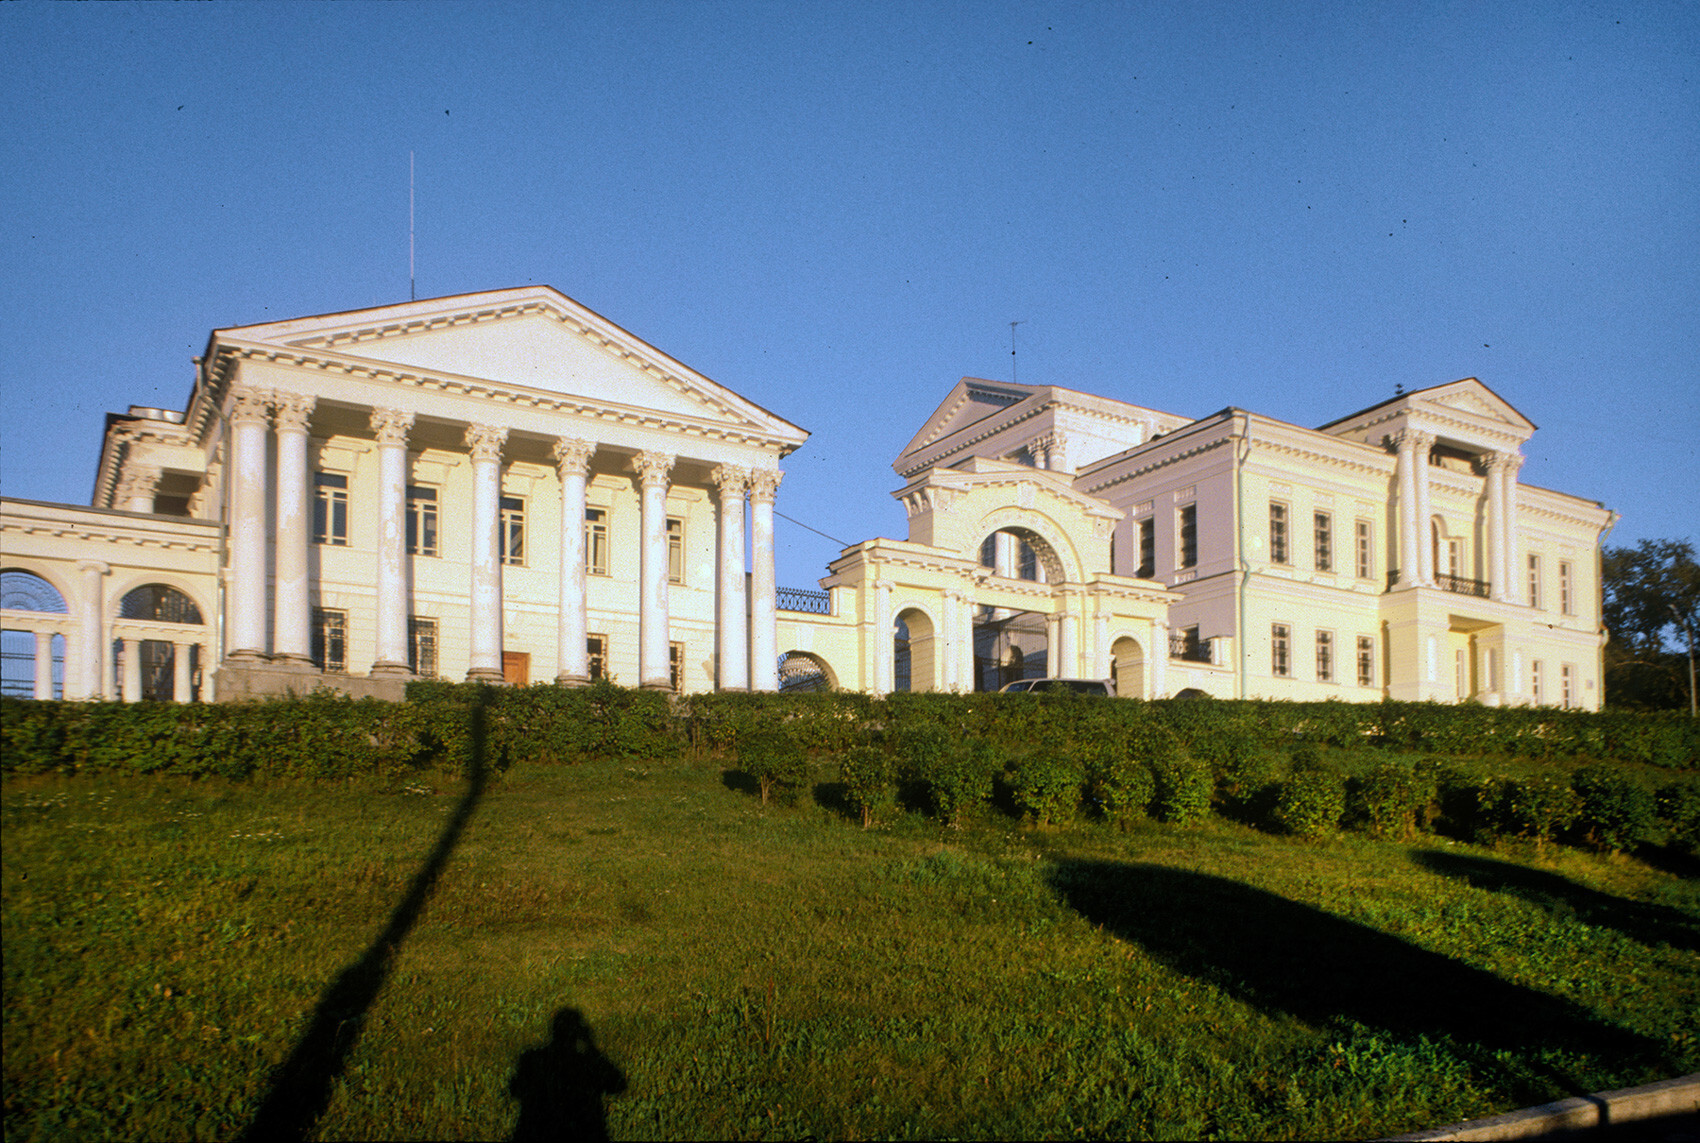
1652	605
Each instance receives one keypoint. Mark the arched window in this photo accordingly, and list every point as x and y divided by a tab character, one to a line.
157	601
26	591
801	672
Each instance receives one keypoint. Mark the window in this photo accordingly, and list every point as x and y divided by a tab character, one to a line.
1188	547
675	551
597	645
1029	557
1566	686
1366	661
1455	557
676	665
1325	656
422	646
1324	542
1534	581
1535	682
330	640
1277	533
330	509
1147	548
513	531
421	521
1280	650
1565	603
1366	550
596	542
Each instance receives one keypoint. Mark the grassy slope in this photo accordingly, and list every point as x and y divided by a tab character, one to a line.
748	970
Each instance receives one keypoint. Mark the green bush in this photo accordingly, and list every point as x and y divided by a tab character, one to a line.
1390	800
1182	786
960	776
1046	785
1679	807
1538	807
1118	778
869	781
1312	801
1615	813
772	756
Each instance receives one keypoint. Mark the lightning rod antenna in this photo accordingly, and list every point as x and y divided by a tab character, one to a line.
411	295
1012	326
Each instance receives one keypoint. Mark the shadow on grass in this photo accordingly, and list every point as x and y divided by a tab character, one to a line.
301	1085
740	783
1281	956
1648	924
560	1085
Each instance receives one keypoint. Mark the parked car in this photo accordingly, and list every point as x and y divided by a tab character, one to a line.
1105	687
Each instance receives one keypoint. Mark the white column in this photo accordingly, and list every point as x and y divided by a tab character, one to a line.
44	664
884	643
132	670
1513	558
1494	466
1053	646
1100	650
485	443
136	490
1069	653
653	469
764	633
1425	524
734	635
1410	570
85	666
1158	655
182	681
572	459
292	631
248	415
390	427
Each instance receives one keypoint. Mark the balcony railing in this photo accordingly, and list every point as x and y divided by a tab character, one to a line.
1456	584
800	599
1189	650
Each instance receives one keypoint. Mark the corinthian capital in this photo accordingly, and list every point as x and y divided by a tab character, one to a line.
291	411
764	483
138	482
249	406
486	442
731	480
652	468
390	425
572	456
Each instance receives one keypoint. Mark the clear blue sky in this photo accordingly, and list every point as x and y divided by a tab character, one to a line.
837	209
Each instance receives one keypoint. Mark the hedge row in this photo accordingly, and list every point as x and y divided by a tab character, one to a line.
331	736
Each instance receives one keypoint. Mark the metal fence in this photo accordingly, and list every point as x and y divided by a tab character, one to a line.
800	599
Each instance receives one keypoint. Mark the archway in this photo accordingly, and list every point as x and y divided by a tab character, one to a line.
1128	665
1008	645
914	652
24	653
158	602
801	672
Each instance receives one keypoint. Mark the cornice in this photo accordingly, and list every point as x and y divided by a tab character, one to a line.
80	530
1097	485
1376	463
485	390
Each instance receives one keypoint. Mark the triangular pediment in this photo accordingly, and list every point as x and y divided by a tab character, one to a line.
1472	397
534	338
971	400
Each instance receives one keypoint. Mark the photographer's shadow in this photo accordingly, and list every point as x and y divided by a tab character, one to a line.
560	1086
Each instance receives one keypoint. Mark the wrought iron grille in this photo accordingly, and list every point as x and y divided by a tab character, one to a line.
800	599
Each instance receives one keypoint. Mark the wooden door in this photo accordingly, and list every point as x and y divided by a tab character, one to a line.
516	668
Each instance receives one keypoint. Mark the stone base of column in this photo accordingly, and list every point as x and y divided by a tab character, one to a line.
299	664
382	670
236	679
248	658
657	686
734	690
566	680
487	675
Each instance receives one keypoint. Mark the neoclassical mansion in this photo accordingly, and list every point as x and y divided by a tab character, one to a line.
508	487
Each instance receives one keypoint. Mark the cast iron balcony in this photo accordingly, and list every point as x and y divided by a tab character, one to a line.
800	599
1456	584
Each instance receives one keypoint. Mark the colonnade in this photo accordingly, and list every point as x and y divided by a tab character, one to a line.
1416	551
748	650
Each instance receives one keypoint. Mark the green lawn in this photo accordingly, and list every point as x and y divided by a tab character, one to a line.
657	947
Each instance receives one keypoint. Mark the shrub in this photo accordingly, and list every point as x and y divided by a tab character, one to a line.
868	780
1615	813
1046	785
1182	786
1312	801
773	757
1390	800
1538	807
960	776
1120	782
1467	802
1679	806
